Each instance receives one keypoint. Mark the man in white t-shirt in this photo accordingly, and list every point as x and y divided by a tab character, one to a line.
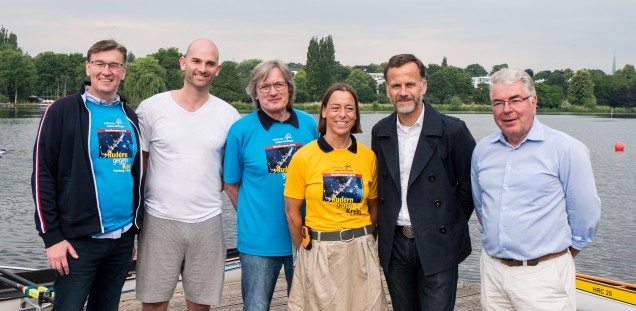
183	141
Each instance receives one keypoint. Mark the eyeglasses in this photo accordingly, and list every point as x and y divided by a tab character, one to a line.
101	65
514	102
265	88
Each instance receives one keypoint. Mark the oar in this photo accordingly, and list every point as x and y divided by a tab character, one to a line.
29	291
18	279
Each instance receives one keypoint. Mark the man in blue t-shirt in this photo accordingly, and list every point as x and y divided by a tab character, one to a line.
87	185
259	148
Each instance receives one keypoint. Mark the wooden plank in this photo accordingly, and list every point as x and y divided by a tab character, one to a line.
467	298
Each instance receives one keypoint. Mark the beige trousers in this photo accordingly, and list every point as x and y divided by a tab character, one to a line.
338	276
549	286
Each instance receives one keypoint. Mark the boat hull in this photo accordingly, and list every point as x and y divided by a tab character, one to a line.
13	300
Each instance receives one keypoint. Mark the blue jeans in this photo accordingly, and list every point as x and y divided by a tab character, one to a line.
409	288
258	279
99	274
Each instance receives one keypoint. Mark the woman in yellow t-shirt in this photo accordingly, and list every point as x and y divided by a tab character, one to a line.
337	178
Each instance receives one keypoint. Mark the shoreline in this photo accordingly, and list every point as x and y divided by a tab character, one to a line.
313	108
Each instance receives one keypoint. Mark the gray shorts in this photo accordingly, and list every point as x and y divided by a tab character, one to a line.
168	248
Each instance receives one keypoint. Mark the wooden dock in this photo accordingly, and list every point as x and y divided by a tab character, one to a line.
467	298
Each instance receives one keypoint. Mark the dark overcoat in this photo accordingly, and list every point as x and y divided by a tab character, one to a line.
439	193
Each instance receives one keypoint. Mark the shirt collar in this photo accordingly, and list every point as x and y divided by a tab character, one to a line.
101	102
267	121
420	120
326	148
536	133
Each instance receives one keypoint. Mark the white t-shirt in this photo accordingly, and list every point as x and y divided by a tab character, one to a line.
183	181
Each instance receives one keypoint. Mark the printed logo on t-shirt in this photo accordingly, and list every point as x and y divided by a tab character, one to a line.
344	190
116	144
279	156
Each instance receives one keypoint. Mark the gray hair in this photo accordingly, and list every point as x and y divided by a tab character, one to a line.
509	76
261	71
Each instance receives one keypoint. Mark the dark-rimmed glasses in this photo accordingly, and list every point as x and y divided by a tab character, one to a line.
514	102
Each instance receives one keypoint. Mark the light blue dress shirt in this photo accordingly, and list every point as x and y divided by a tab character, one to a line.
537	198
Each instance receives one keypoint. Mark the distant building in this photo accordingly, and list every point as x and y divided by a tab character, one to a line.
478	80
377	76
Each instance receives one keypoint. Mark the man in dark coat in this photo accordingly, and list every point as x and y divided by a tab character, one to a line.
424	191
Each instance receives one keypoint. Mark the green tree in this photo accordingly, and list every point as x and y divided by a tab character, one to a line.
530	72
375	68
342	72
298	66
300	80
448	82
498	67
144	78
17	74
624	97
364	85
481	94
555	78
49	66
627	74
244	69
549	96
431	69
605	86
382	98
130	57
444	62
8	39
57	73
169	60
321	66
581	90
476	70
227	85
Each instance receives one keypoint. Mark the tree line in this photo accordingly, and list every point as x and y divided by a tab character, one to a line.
50	75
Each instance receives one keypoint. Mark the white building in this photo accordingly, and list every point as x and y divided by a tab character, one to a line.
377	76
478	80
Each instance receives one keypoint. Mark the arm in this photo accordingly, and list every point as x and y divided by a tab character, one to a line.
583	205
144	160
373	213
294	220
44	187
232	192
463	146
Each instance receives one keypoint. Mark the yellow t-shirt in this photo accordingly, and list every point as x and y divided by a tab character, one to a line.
335	184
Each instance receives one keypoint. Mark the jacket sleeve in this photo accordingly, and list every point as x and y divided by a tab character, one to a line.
463	145
44	176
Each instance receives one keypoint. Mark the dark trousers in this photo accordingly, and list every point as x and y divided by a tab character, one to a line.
99	274
409	288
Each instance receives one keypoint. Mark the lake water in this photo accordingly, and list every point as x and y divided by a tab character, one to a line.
611	254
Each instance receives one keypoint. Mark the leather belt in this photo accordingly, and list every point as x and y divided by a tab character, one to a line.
344	235
407	231
531	262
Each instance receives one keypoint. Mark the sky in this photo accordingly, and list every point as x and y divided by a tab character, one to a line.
538	35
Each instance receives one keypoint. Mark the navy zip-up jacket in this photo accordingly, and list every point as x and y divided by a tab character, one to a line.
63	181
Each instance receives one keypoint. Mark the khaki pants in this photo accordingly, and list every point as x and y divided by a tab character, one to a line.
549	286
338	276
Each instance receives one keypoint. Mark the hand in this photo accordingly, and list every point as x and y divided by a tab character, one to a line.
574	251
56	255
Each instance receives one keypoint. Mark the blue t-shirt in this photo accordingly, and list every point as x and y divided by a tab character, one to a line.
113	147
258	158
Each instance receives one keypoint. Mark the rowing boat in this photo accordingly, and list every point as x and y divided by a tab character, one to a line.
595	293
13	300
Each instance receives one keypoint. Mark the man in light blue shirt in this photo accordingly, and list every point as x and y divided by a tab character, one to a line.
535	198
